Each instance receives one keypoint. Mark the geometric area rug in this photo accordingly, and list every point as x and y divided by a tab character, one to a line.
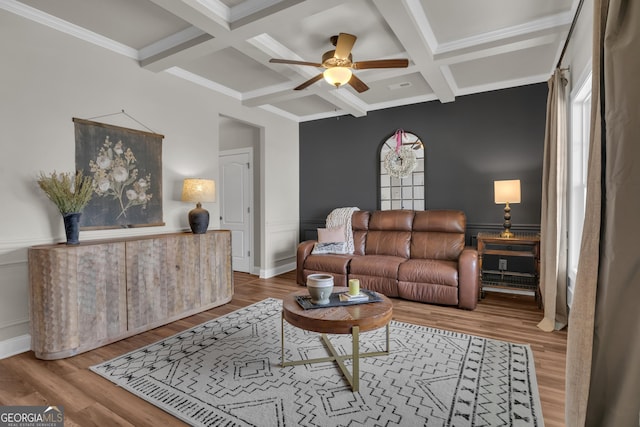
226	372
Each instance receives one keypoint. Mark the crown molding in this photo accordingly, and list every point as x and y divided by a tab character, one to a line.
61	25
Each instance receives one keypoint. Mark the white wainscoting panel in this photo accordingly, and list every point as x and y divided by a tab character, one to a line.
281	247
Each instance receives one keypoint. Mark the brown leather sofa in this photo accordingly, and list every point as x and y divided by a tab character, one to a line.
415	255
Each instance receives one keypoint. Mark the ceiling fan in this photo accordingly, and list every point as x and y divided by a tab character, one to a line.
339	63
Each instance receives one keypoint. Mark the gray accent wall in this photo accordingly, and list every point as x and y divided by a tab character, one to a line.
469	143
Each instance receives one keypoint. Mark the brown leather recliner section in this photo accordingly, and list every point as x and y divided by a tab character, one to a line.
416	255
469	279
360	226
396	220
377	273
334	264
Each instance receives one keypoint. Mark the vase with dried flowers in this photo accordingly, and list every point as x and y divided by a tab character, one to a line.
70	193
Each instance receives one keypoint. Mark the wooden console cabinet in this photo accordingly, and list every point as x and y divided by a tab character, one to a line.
88	295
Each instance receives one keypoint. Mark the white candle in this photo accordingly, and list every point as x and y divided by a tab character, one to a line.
354	286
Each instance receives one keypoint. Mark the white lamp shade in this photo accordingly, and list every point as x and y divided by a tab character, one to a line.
198	190
507	191
337	76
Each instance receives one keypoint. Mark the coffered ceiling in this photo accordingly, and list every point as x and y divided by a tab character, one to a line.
454	47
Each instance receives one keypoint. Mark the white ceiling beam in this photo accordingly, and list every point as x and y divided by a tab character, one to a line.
415	38
470	54
250	11
538	27
194	12
271	95
282	15
201	81
157	60
383	74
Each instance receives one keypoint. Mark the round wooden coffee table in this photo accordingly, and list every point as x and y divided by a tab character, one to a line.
346	319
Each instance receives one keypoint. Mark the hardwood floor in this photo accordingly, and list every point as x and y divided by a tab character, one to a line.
90	400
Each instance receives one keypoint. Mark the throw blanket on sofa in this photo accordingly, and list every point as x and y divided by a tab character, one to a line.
339	217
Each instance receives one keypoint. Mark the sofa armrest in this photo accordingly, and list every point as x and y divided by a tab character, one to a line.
304	250
468	276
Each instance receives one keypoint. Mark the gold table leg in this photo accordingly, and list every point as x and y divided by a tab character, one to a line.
353	377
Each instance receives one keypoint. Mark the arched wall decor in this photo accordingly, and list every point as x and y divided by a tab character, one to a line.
402	173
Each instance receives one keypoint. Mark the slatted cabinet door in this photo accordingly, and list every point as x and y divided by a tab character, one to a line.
216	274
163	276
77	296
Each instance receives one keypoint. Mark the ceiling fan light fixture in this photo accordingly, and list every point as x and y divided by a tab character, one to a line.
337	76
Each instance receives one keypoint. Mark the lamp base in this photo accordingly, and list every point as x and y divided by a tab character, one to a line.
199	219
507	223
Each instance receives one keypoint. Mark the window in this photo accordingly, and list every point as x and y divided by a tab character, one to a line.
578	159
402	188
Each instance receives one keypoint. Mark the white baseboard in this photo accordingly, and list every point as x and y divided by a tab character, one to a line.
14	346
265	274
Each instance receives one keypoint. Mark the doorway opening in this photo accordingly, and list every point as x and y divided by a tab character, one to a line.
239	166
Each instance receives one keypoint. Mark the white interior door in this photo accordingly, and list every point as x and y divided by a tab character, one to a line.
236	210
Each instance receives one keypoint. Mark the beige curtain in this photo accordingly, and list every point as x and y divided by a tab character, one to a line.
603	348
553	239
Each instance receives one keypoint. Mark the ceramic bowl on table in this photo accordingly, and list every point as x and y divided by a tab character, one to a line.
320	287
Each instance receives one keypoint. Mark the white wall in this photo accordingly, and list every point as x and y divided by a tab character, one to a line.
47	78
579	50
577	59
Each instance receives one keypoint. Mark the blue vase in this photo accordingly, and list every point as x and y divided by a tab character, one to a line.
72	227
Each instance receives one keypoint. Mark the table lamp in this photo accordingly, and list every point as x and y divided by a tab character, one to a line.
506	192
199	191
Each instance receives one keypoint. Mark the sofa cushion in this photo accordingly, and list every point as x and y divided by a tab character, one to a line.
376	265
436	245
429	271
388	243
377	273
440	220
383	285
438	235
396	220
429	280
389	233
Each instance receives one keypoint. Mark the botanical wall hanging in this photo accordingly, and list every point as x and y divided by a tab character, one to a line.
126	166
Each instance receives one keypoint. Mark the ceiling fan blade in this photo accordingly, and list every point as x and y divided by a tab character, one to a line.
309	82
358	84
289	61
344	45
381	63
